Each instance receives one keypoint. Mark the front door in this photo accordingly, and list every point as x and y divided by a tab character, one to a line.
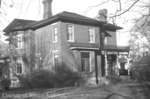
85	63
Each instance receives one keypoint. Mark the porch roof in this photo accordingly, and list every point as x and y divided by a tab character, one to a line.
83	48
117	48
86	46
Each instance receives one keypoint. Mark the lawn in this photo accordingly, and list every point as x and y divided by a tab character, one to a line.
122	90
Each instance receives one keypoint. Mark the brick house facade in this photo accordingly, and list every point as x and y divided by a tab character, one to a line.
69	38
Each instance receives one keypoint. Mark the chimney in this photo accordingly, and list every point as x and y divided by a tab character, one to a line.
102	15
47	8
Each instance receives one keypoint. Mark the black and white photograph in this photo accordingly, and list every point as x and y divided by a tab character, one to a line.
74	49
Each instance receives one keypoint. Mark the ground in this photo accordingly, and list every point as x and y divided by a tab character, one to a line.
126	89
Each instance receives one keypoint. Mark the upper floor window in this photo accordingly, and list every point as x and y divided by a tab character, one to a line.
20	43
70	33
55	34
105	40
92	35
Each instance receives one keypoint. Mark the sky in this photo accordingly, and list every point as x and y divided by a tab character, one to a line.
33	10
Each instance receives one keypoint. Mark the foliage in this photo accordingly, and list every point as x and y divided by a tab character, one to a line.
141	69
37	79
140	35
140	73
5	82
63	76
139	45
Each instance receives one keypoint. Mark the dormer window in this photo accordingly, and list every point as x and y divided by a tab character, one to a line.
92	35
70	33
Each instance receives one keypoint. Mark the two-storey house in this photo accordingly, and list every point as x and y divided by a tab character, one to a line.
67	38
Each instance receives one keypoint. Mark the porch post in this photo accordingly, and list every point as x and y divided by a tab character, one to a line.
106	65
96	68
117	66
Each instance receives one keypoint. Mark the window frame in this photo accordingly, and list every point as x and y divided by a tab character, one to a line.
19	68
20	41
85	67
19	63
70	33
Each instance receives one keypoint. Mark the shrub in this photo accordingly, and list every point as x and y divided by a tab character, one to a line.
5	82
140	73
140	70
62	77
37	79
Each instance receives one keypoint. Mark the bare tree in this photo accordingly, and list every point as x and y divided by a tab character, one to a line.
122	7
141	32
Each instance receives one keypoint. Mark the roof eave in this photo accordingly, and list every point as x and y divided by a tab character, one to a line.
64	19
8	29
112	27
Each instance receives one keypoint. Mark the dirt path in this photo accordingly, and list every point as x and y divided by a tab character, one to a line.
129	90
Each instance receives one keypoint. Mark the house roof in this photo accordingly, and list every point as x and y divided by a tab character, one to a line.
21	24
18	24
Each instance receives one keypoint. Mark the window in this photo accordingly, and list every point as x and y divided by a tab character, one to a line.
70	33
55	35
105	40
92	35
19	65
19	68
20	43
85	62
56	56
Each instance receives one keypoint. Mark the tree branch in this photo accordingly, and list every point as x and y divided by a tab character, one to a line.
120	5
99	4
90	7
126	9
